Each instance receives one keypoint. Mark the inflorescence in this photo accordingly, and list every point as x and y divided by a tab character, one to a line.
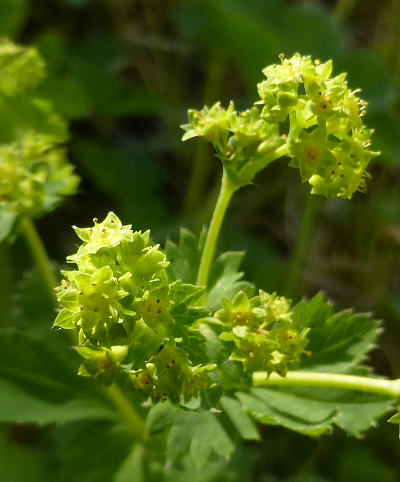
303	113
122	303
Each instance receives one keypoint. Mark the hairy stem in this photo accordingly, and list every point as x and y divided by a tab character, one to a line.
381	386
127	411
39	255
225	195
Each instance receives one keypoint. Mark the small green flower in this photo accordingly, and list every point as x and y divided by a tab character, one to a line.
91	302
243	141
327	139
263	332
212	123
104	364
107	234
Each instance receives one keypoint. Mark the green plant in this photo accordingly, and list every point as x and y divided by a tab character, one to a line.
189	353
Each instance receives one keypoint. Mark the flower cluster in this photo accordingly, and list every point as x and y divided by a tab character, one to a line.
263	332
303	112
21	68
34	172
120	301
243	141
327	139
34	176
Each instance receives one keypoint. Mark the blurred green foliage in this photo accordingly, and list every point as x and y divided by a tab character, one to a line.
123	73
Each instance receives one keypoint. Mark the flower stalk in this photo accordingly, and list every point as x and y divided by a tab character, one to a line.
228	188
39	255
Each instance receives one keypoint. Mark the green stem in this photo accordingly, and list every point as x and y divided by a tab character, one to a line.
381	386
225	194
127	411
302	248
39	255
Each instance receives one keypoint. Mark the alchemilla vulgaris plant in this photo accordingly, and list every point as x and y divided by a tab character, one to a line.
173	342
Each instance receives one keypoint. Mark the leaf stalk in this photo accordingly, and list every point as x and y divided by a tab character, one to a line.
380	386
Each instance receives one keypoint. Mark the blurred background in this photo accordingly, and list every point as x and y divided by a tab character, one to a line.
124	73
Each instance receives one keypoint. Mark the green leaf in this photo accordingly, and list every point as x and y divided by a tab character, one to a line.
239	418
226	279
183	294
395	419
337	342
184	257
197	433
11	468
133	467
39	384
318	422
89	451
313	411
18	406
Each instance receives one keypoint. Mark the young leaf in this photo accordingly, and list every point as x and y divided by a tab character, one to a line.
197	433
17	405
182	295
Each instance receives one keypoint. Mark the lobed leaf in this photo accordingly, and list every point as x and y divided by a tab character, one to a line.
313	411
337	342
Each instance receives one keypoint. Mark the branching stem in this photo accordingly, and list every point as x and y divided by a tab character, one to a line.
225	195
381	386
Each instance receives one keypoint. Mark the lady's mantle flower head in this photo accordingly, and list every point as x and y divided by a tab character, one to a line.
263	332
327	139
34	176
305	113
117	270
119	300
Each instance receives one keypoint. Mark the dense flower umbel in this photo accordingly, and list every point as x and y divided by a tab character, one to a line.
263	332
119	300
327	139
304	113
